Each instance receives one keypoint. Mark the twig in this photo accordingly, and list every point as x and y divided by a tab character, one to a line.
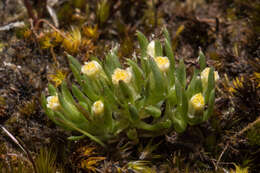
219	158
48	23
30	10
247	127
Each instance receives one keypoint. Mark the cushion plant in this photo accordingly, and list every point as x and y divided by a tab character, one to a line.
145	97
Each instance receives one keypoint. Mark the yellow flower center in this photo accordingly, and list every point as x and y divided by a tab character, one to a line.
120	74
91	68
161	60
163	63
197	101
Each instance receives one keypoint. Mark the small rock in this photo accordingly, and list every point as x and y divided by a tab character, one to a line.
11	51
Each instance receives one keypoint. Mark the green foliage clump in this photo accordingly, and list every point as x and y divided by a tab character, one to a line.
149	98
253	135
45	161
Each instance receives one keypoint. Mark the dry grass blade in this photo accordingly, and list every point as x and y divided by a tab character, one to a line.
45	161
20	145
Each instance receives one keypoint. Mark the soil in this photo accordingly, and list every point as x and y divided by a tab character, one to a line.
226	31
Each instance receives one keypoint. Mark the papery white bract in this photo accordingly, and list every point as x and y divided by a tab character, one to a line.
151	49
98	107
204	77
53	102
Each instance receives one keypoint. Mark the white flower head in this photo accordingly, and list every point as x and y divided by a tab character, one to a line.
151	49
197	102
53	102
163	63
98	107
205	74
120	74
91	68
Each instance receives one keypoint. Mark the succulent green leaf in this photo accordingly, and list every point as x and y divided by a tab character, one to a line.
192	86
71	111
133	113
111	63
138	74
132	134
52	90
80	96
110	97
172	98
108	120
66	93
182	101
59	119
143	42
178	90
184	105
179	123
158	48
43	101
88	90
211	84
76	73
202	60
158	91
166	124
120	125
74	61
73	126
84	110
154	127
198	86
210	109
153	111
170	55
166	35
181	73
126	92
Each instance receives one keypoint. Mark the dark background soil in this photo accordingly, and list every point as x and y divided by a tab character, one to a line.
226	31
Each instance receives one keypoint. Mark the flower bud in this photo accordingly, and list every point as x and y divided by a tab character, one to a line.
120	74
151	49
204	77
163	63
197	103
91	68
98	107
53	102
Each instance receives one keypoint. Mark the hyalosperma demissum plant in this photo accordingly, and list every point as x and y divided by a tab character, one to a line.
150	97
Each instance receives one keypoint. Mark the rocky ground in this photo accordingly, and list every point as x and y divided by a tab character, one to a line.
30	57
